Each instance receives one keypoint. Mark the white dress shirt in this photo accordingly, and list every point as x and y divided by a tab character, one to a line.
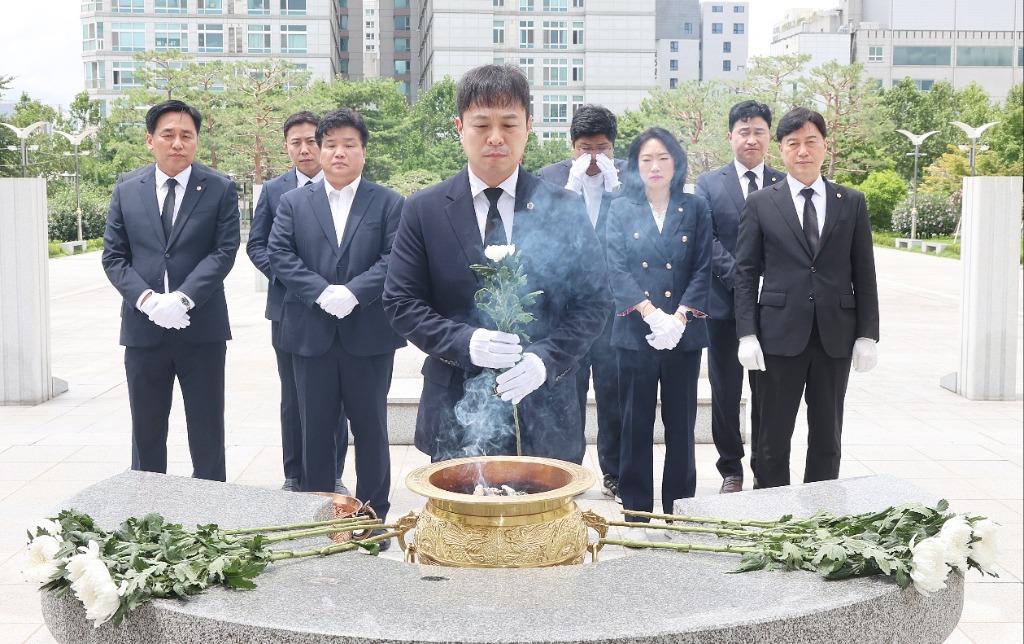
593	192
506	203
818	199
341	204
161	195
301	179
742	170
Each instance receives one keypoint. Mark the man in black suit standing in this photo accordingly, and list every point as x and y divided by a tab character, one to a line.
330	245
817	310
171	237
726	190
429	293
593	172
300	144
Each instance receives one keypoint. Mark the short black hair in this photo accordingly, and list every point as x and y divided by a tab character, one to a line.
493	86
339	118
796	118
593	120
747	110
299	118
158	110
633	185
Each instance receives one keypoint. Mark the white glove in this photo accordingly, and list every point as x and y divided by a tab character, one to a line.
166	310
865	355
494	349
337	300
522	379
749	353
666	330
611	174
577	172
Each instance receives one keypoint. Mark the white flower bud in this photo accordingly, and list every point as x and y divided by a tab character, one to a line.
496	253
955	535
985	551
928	566
41	562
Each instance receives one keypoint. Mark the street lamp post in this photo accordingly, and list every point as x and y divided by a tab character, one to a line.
76	140
973	133
916	140
23	134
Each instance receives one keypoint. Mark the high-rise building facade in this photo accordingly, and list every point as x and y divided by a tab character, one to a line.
677	34
724	40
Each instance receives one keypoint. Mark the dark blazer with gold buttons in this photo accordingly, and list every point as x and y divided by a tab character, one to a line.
669	268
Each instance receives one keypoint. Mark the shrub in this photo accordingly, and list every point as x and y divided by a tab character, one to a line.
936	216
63	223
883	190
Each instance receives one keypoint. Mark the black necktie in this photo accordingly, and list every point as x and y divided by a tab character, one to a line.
309	182
752	178
810	220
167	213
494	230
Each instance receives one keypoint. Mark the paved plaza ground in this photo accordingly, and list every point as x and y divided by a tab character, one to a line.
898	421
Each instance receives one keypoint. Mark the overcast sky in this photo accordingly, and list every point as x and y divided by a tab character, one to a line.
41	43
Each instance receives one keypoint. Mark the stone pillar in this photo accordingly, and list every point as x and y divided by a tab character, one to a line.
25	295
990	256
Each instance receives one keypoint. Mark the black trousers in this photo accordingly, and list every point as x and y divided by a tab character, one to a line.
601	359
821	380
339	380
640	374
726	375
199	369
291	426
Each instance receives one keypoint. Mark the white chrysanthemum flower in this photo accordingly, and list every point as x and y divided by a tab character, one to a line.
52	528
98	593
80	563
498	252
955	535
41	560
986	551
928	566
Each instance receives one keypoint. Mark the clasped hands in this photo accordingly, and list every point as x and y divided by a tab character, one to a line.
579	170
166	310
337	300
499	350
666	330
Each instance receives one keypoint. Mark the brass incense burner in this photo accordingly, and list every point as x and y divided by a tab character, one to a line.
542	527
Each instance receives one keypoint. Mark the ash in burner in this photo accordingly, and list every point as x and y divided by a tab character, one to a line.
514	488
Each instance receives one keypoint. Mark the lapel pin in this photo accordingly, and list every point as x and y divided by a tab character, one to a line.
529	205
839	195
773	179
680	209
636	235
198	188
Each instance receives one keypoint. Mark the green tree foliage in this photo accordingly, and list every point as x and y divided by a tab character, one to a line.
911	109
62	204
1006	140
433	142
777	81
883	190
537	154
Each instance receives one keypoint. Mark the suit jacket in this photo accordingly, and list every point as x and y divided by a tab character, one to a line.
259	235
836	286
429	293
721	188
669	268
306	258
196	258
558	174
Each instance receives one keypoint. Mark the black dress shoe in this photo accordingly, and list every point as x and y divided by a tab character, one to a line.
731	484
290	485
757	486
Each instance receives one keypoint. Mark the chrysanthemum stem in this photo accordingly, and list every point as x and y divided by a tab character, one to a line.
519	442
679	517
298	526
685	547
278	555
301	534
722	532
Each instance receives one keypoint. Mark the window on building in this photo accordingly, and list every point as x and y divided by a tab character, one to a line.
92	5
673	65
716	27
737	28
293	7
526	66
170	35
210	6
497	3
498	60
577	70
127	36
556	72
259	7
401	4
403	88
211	39
371	35
343	21
673	83
555	5
923	56
673	46
577	102
403	45
95	75
370	47
371	24
526	5
984	56
92	36
726	65
124	74
293	39
717	8
924	85
577	4
127	6
170	6
402	23
259	39
739	9
875	54
343	66
556	34
343	46
577	32
553	136
1020	57
688	28
555	109
727	47
526	34
498	32
402	67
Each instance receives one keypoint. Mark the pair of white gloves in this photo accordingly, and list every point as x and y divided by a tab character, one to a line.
499	350
666	330
337	300
579	170
167	310
865	354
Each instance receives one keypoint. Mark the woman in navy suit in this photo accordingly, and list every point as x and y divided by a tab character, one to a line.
659	261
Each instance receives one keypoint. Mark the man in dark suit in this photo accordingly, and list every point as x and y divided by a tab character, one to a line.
171	238
726	190
300	144
429	292
330	245
593	172
817	310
